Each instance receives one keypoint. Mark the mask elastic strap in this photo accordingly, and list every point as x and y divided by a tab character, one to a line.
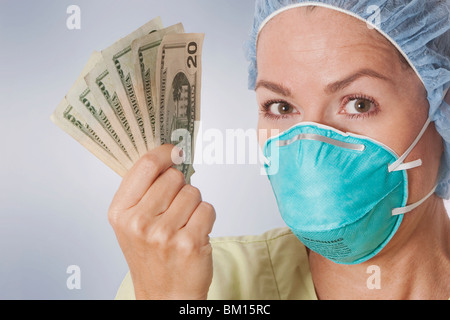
411	207
399	165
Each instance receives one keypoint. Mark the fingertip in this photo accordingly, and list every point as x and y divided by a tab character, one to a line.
143	174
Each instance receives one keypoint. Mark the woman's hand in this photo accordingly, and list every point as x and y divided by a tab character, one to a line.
163	227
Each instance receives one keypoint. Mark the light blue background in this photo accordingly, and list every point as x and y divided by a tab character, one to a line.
54	195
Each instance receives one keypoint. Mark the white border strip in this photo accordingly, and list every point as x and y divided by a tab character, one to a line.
324	5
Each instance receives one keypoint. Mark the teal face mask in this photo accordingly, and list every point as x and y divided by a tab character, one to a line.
343	195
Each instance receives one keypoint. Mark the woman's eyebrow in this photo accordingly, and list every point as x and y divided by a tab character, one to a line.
342	84
329	89
274	87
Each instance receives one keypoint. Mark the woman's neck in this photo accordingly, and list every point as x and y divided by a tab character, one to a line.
414	265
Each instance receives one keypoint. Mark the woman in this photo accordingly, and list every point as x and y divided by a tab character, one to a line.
357	89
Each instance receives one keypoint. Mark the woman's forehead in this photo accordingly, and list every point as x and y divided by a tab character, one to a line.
318	29
323	38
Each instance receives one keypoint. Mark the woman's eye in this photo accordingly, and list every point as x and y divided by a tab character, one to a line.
358	106
281	108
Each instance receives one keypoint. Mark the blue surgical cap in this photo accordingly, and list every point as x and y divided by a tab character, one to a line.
419	29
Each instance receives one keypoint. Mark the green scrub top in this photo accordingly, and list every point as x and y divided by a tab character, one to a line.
271	266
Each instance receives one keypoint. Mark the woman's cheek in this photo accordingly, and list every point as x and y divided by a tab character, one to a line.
268	128
265	130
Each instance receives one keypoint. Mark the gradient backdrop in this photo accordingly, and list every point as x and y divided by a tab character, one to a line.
54	195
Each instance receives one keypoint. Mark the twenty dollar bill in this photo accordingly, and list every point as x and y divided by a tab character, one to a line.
178	80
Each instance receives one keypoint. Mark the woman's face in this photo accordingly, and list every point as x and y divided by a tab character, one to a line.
327	67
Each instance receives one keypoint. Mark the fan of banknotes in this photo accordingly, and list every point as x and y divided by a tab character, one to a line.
141	92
